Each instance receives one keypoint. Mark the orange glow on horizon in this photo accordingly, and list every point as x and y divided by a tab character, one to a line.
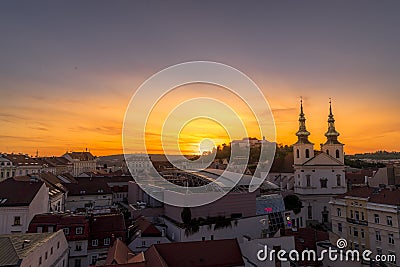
56	125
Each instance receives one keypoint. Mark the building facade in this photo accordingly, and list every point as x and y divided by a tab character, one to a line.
319	175
369	218
19	202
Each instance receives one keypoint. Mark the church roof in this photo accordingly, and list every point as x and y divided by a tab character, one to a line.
322	159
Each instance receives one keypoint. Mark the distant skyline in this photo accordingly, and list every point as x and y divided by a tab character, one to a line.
68	70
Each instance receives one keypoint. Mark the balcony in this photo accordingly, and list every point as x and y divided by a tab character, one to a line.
359	222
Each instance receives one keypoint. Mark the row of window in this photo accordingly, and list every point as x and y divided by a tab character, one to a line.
6	174
46	254
324	181
106	242
378	237
337	153
356	233
78	230
356	215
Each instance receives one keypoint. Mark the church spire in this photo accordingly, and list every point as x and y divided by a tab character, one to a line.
331	134
302	133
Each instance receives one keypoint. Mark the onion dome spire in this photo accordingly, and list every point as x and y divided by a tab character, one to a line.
331	134
302	134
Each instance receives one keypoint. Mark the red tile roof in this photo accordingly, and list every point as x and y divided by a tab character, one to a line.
119	253
18	193
21	160
88	186
146	227
108	223
387	196
200	253
82	156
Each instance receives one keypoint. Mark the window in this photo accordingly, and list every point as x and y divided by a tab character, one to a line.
340	227
362	233
79	230
308	177
50	229
212	237
39	229
94	259
77	262
203	238
392	257
143	243
95	242
327	151
337	153
389	220
307	153
17	220
356	246
66	231
378	236
309	211
58	244
339	212
376	216
78	247
362	216
40	260
324	183
107	241
45	255
351	214
297	153
379	251
51	251
391	239
355	232
357	215
338	180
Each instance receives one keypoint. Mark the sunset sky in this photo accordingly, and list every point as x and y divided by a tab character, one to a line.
68	70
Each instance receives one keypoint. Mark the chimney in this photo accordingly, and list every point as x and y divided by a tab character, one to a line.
26	241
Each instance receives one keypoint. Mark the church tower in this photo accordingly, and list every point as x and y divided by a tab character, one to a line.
303	149
332	146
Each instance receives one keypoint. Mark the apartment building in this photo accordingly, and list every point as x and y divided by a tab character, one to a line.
369	218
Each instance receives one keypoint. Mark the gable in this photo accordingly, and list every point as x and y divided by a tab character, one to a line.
322	159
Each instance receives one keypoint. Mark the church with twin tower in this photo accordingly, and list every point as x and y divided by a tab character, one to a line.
319	175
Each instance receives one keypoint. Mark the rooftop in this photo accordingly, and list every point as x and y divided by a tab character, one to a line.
18	193
15	247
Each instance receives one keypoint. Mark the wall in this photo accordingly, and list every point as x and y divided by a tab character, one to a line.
59	257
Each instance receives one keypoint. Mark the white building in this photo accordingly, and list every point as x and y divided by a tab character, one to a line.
34	249
7	169
23	164
82	162
19	202
138	163
319	175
